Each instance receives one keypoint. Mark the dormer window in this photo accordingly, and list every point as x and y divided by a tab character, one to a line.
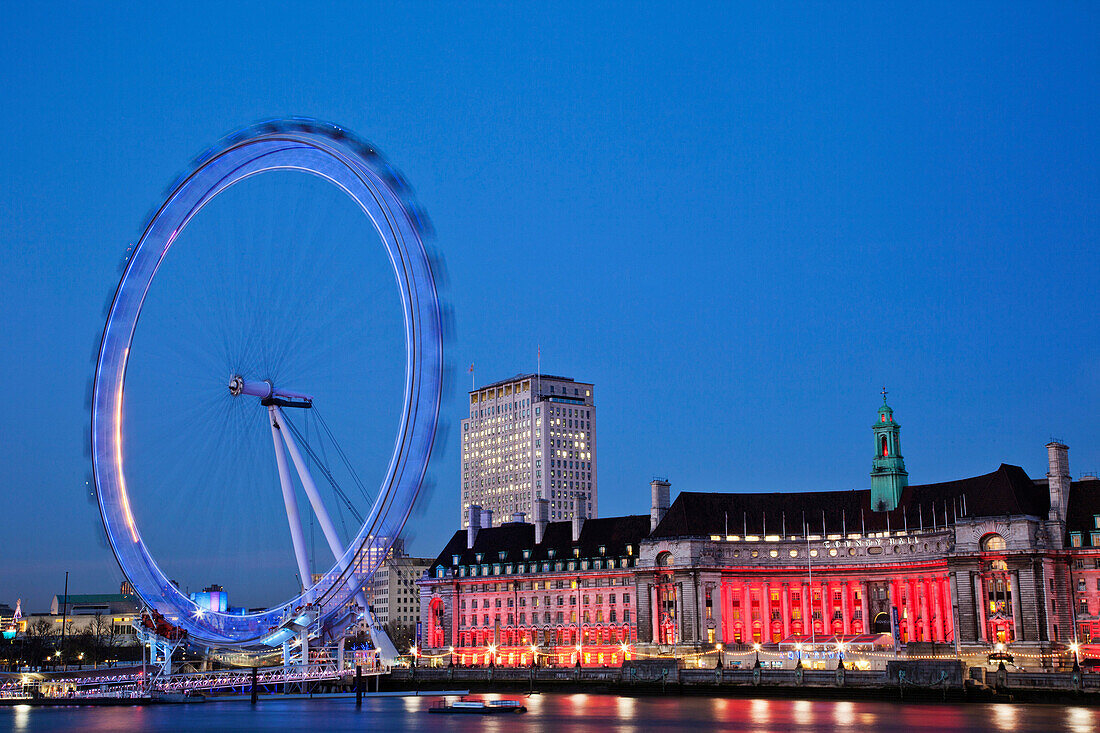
550	553
501	554
603	549
478	557
576	552
454	559
1096	521
526	554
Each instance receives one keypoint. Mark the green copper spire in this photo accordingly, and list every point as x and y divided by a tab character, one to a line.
888	474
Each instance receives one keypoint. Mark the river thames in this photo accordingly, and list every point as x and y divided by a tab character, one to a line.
563	713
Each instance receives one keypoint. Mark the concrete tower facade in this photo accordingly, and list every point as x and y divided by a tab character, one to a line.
527	438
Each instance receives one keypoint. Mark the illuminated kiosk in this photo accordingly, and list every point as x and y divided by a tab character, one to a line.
331	153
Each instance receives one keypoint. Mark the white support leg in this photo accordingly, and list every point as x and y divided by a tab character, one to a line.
327	527
289	499
305	656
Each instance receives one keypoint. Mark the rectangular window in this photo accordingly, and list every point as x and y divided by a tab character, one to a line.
1075	539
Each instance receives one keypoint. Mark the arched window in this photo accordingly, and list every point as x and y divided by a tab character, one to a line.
664	559
993	542
885	449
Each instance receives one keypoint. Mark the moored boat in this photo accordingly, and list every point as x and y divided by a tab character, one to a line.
479	707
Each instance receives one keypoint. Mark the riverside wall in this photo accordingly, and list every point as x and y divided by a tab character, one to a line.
928	680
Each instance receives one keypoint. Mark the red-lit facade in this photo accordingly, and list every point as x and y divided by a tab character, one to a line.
503	598
997	562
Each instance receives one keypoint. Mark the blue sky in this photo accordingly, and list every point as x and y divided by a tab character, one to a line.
738	222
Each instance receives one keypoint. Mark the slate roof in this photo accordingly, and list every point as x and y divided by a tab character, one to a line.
614	533
1008	490
1084	504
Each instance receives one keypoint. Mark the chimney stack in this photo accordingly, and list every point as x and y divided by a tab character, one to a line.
659	494
542	518
518	517
1058	479
486	518
578	516
473	524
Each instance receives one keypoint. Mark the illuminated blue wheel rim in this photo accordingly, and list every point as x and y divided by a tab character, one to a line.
332	154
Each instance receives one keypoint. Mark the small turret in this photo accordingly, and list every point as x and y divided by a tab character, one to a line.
888	475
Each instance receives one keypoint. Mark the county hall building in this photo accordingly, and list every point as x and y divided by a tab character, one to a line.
972	564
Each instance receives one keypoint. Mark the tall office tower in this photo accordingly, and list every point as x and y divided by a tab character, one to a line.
529	437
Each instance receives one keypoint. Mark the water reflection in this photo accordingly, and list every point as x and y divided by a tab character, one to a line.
564	714
22	717
844	714
1081	720
625	708
760	710
1005	717
804	713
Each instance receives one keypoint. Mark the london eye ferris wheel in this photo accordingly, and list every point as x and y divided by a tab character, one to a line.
251	361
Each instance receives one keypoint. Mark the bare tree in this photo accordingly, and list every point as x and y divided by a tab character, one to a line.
39	639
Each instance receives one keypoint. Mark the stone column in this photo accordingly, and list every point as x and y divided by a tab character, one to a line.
951	590
894	602
785	608
727	631
979	593
655	612
865	607
805	602
766	613
911	609
1014	586
847	622
826	609
679	591
936	586
718	611
746	613
925	622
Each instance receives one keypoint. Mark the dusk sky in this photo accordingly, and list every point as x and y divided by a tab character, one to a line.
740	224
